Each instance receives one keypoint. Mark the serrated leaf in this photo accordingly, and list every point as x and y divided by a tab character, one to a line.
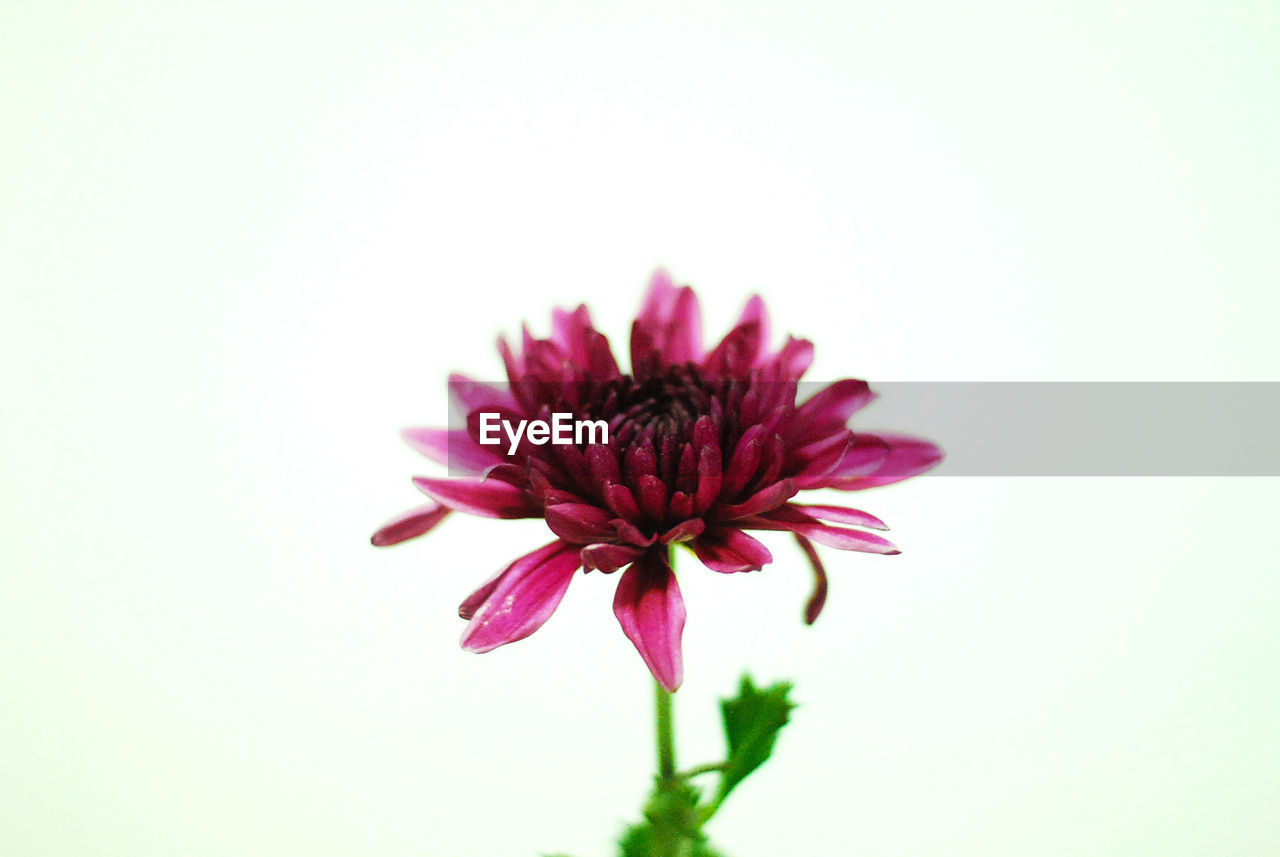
752	721
637	841
671	825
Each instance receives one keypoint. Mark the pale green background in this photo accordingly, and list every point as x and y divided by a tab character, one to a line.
242	244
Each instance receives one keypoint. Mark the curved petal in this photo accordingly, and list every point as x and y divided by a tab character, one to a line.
668	330
843	515
631	534
516	602
569	331
755	312
623	503
684	329
579	523
833	405
452	448
847	540
793	520
600	360
488	498
652	496
658	299
710	477
762	501
907	456
472	602
649	608
812	463
819	597
683	531
473	395
743	463
410	525
795	358
865	454
608	557
737	352
730	551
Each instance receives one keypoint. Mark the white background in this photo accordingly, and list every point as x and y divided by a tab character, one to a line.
240	248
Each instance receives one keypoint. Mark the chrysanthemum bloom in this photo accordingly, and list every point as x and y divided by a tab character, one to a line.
703	447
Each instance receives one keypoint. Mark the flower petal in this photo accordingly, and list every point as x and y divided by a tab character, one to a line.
812	463
819	597
795	358
631	534
684	330
488	498
473	395
743	463
467	609
452	448
843	515
569	331
608	558
710	479
731	551
649	608
683	531
579	523
623	503
524	595
652	494
756	313
668	330
603	462
410	525
908	456
681	505
737	352
601	363
658	299
863	456
848	540
833	405
794	520
762	501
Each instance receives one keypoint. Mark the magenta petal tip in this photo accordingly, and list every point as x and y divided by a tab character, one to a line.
651	612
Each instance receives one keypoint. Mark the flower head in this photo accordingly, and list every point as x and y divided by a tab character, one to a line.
703	448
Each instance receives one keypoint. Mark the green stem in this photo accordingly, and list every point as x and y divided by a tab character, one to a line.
666	736
667	813
673	821
698	770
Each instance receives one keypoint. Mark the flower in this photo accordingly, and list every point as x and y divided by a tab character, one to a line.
703	448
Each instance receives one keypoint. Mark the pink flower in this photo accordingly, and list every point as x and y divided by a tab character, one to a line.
704	447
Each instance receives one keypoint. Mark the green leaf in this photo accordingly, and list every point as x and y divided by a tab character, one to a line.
671	826
637	841
752	721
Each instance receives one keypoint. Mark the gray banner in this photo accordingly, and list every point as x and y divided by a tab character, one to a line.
1075	428
1088	428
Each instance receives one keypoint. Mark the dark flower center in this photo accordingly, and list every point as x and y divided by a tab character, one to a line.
672	436
665	406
